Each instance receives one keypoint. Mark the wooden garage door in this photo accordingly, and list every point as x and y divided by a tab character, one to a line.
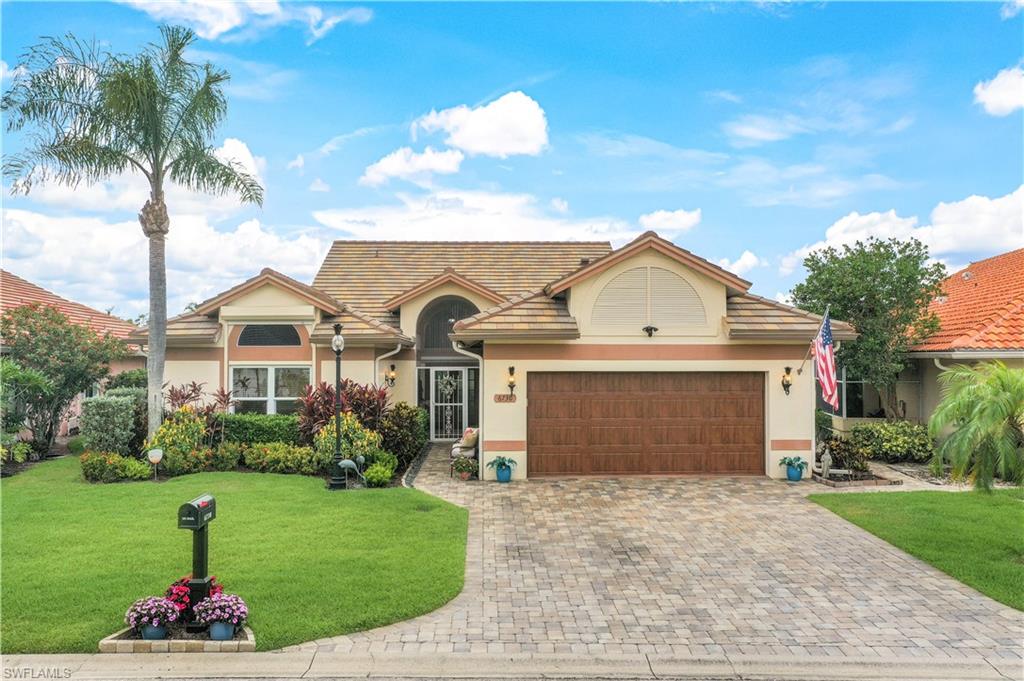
645	423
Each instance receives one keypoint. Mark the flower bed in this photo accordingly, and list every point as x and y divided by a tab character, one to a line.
178	641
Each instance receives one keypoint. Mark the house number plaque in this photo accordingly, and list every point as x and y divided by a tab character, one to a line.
504	397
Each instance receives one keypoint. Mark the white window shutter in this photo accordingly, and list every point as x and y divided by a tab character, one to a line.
674	301
622	303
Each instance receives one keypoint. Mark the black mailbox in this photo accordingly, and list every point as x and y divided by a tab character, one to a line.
197	513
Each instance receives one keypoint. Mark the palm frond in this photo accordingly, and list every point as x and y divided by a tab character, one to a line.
199	169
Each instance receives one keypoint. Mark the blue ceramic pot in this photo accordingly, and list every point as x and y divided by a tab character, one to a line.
222	631
504	473
794	473
151	633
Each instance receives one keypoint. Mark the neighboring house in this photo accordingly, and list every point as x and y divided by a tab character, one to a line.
641	360
981	317
16	292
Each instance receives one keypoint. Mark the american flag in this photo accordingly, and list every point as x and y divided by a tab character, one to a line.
825	364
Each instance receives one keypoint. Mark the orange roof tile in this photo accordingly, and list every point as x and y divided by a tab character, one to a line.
15	292
753	317
981	307
530	315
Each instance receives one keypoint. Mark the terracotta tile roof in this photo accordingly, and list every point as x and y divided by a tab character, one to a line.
750	316
367	274
15	292
530	315
357	328
981	307
190	328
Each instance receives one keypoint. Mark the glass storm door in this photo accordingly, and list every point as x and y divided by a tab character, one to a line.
448	403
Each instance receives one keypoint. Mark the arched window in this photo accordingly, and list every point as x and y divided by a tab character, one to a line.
435	323
269	335
648	296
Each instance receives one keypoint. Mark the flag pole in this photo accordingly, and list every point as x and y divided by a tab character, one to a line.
811	344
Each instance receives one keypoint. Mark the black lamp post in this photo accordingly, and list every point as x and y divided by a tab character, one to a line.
338	480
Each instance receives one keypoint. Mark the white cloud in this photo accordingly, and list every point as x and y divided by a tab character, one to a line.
406	164
130	191
319	185
725	96
784	298
7	72
616	145
671	221
762	183
297	163
332	145
1011	9
108	264
247	19
755	129
1004	94
747	261
560	205
511	125
452	214
974	224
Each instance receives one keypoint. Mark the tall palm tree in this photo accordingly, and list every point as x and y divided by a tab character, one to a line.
93	115
983	408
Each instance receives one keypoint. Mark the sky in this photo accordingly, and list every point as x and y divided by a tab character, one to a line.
749	134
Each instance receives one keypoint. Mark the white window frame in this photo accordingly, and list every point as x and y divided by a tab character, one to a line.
271	383
843	381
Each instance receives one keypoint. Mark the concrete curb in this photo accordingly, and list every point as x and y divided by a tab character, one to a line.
323	665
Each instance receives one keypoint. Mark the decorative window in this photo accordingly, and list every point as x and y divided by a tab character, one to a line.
268	390
435	323
269	335
859	399
648	296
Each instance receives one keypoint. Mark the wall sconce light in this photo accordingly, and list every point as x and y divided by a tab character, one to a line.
390	375
787	380
650	330
511	380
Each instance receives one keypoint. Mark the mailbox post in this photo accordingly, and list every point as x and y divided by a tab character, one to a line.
196	515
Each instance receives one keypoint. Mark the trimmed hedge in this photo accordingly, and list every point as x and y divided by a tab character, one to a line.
227	456
279	457
141	414
133	378
107	424
893	441
251	428
111	467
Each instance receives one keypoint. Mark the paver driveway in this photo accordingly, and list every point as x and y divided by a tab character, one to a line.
690	567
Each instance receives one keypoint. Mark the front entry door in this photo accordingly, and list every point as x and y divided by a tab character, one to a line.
447	403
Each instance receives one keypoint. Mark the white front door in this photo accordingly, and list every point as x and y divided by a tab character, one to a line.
447	403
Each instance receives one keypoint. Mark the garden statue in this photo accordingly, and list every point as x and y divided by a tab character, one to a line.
826	462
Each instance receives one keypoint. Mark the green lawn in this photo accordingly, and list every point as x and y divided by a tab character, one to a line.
974	537
309	563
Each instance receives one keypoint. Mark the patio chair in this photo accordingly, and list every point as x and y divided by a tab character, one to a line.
465	447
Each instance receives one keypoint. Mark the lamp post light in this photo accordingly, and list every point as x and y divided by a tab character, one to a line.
155	456
338	480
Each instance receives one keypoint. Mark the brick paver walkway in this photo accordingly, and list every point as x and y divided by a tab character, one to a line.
689	567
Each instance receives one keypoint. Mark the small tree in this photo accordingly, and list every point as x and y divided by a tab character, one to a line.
94	115
984	407
72	358
882	288
17	386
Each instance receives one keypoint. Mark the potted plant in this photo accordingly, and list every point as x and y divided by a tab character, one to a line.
151	616
795	466
464	466
223	613
502	466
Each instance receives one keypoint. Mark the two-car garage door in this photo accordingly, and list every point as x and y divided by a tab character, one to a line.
612	423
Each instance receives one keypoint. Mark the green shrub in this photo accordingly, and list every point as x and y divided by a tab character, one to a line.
182	431
845	454
379	456
355	440
186	461
133	378
227	456
108	424
378	475
141	424
76	445
112	467
15	451
404	431
281	457
252	428
893	441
